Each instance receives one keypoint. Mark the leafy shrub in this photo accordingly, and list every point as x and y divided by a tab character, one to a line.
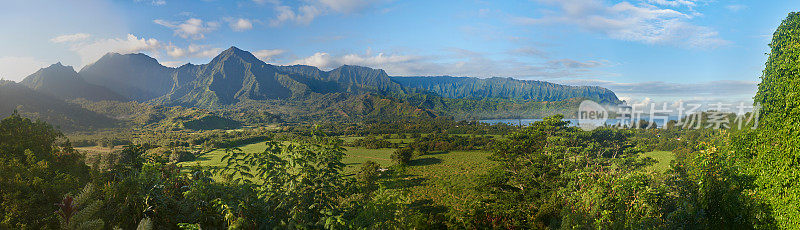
402	156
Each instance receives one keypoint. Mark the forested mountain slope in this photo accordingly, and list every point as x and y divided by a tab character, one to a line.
236	79
505	88
36	105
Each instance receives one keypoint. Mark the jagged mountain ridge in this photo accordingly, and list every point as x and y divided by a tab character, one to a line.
236	76
505	88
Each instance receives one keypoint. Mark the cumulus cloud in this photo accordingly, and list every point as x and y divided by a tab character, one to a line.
454	62
192	28
644	23
17	68
70	38
192	51
268	55
306	12
167	53
240	24
91	51
390	62
736	7
303	15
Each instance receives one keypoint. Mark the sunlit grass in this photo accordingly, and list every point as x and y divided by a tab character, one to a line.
663	159
445	178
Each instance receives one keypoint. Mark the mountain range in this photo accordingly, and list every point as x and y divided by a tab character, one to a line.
236	76
15	97
505	88
63	82
237	79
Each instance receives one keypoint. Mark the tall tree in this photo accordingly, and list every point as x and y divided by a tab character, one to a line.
777	162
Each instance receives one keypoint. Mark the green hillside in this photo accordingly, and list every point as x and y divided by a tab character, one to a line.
36	105
505	88
63	82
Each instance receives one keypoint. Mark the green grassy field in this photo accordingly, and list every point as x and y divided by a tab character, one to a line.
444	178
393	140
663	157
447	178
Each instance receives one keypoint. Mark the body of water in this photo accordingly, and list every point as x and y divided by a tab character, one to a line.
573	122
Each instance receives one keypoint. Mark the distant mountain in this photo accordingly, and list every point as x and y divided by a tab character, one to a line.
55	111
347	78
236	80
505	88
236	76
63	82
135	76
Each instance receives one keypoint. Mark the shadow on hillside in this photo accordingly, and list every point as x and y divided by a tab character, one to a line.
425	161
429	207
436	153
203	157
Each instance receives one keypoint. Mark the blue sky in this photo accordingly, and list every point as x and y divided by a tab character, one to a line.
691	50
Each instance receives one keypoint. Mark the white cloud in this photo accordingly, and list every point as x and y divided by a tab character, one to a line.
193	28
624	21
240	24
91	51
528	51
154	2
673	3
268	55
305	13
70	38
573	64
390	63
349	6
17	68
192	51
455	62
736	7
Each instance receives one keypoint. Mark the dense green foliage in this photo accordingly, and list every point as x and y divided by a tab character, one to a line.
446	173
372	142
554	176
438	142
402	156
37	168
777	143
